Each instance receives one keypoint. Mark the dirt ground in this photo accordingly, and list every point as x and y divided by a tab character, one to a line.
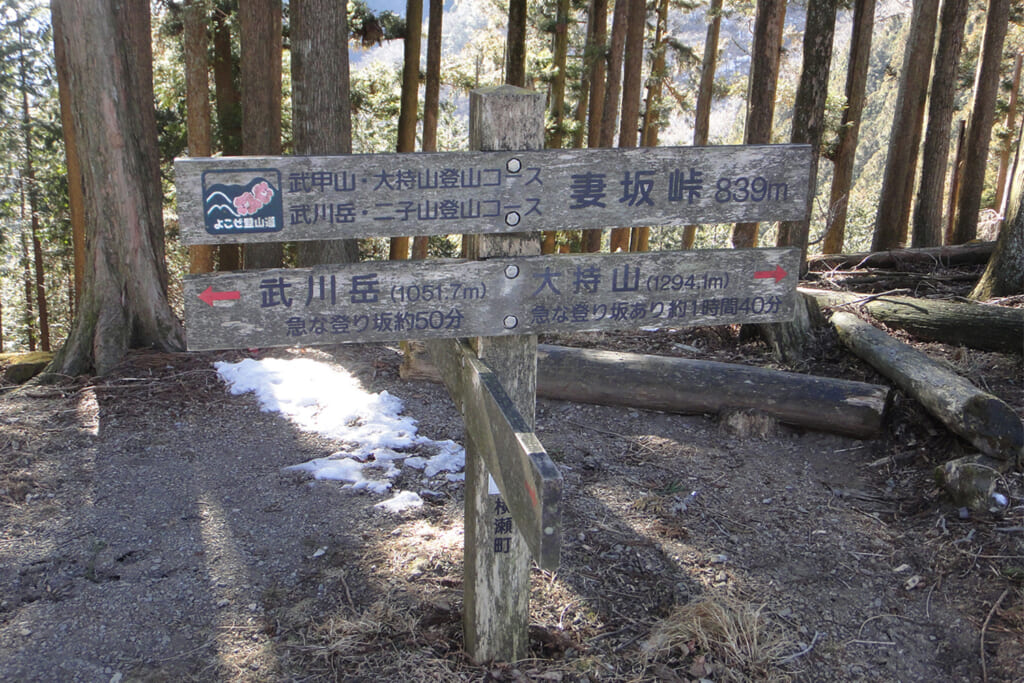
151	533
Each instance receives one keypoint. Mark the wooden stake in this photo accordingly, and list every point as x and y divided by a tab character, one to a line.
497	559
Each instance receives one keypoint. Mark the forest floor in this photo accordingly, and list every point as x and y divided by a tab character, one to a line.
150	532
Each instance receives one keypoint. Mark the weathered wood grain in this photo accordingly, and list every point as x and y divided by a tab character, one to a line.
986	422
388	301
496	597
666	383
384	195
976	325
529	482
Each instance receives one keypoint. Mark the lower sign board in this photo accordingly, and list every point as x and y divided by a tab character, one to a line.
403	300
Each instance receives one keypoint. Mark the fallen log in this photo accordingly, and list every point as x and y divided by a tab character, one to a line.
682	385
977	253
976	325
986	422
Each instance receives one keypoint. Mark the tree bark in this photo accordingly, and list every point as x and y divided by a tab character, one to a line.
1004	275
26	276
666	383
987	423
432	91
978	326
764	75
927	223
897	185
809	109
595	53
632	82
954	183
597	61
1002	182
197	106
321	110
431	101
229	111
652	108
560	54
515	67
613	84
789	339
124	302
856	83
702	117
651	125
260	30
76	196
979	130
556	98
408	110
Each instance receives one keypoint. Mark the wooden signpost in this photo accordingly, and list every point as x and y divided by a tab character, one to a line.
503	187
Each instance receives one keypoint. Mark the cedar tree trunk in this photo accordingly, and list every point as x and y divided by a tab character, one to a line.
897	185
124	300
321	110
197	105
979	130
260	31
764	75
927	223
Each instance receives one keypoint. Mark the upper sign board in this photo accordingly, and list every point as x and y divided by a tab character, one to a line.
280	199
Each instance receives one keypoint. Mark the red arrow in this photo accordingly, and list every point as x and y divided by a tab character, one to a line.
778	274
209	296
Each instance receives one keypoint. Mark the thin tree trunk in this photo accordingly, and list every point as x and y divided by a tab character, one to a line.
260	29
124	300
979	130
893	211
229	112
321	113
560	56
556	98
764	75
809	109
26	276
44	316
613	85
597	30
653	108
432	92
1002	183
927	222
583	102
702	117
431	101
954	183
632	84
515	68
856	83
197	106
408	113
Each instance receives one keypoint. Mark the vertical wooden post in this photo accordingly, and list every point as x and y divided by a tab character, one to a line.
497	565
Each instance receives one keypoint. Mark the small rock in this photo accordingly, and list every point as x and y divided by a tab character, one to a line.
223	602
25	632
